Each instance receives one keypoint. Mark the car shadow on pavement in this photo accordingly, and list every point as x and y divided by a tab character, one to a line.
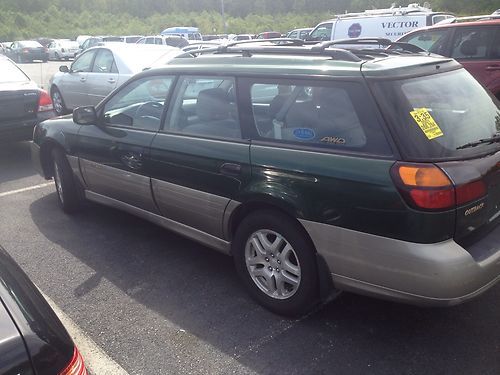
198	290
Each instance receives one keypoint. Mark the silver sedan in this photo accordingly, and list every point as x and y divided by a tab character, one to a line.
99	70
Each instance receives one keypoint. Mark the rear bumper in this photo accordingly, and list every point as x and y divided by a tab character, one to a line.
439	274
22	130
17	131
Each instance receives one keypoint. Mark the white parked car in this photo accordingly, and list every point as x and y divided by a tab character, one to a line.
62	49
99	70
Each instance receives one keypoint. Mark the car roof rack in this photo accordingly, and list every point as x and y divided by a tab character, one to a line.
384	42
288	46
485	17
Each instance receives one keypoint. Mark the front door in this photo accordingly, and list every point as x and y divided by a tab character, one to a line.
73	85
113	153
103	77
200	160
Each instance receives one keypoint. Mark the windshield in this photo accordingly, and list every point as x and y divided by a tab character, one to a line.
432	116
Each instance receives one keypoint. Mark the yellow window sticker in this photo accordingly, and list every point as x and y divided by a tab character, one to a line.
424	119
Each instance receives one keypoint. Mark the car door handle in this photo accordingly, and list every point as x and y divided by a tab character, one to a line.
230	169
132	161
111	80
493	67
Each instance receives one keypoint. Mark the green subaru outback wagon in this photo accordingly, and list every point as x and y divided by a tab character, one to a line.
317	168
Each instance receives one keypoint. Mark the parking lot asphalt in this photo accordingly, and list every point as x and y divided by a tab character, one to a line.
157	303
41	72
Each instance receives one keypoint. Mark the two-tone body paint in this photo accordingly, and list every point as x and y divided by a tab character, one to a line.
347	203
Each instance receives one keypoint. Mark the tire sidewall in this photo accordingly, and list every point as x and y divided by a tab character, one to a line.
71	197
307	293
55	91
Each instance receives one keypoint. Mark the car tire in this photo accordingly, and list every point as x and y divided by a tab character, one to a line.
276	262
58	101
69	191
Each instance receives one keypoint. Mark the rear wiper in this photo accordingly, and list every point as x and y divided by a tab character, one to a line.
494	139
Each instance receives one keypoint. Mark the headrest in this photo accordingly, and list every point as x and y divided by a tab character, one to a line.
213	104
469	47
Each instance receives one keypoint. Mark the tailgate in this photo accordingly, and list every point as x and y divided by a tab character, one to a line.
14	105
484	213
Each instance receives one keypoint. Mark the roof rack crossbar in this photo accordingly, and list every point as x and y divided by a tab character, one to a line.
371	41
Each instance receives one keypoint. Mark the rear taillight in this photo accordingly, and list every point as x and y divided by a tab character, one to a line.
470	192
75	366
44	102
426	186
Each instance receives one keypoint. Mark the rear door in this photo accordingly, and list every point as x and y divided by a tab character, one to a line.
200	160
478	50
103	77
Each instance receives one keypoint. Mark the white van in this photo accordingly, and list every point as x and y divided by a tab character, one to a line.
187	32
388	23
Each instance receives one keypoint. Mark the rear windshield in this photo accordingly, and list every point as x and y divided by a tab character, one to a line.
11	73
434	116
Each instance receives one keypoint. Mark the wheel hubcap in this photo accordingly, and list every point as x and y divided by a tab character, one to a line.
57	178
57	101
272	264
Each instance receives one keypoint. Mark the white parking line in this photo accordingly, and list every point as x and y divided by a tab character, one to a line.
96	360
34	187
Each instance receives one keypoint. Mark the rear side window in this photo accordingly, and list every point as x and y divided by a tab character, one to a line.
435	116
104	62
472	43
337	116
431	40
205	106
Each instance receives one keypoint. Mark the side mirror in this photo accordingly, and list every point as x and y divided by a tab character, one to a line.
85	115
64	69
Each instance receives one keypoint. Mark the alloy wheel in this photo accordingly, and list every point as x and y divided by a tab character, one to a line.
272	263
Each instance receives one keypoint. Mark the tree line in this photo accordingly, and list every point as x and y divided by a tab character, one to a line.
69	18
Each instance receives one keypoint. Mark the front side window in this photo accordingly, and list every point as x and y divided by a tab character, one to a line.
435	116
336	116
205	106
140	104
322	32
472	43
84	62
104	62
430	40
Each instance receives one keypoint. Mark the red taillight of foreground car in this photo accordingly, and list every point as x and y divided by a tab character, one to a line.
44	102
75	366
426	186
